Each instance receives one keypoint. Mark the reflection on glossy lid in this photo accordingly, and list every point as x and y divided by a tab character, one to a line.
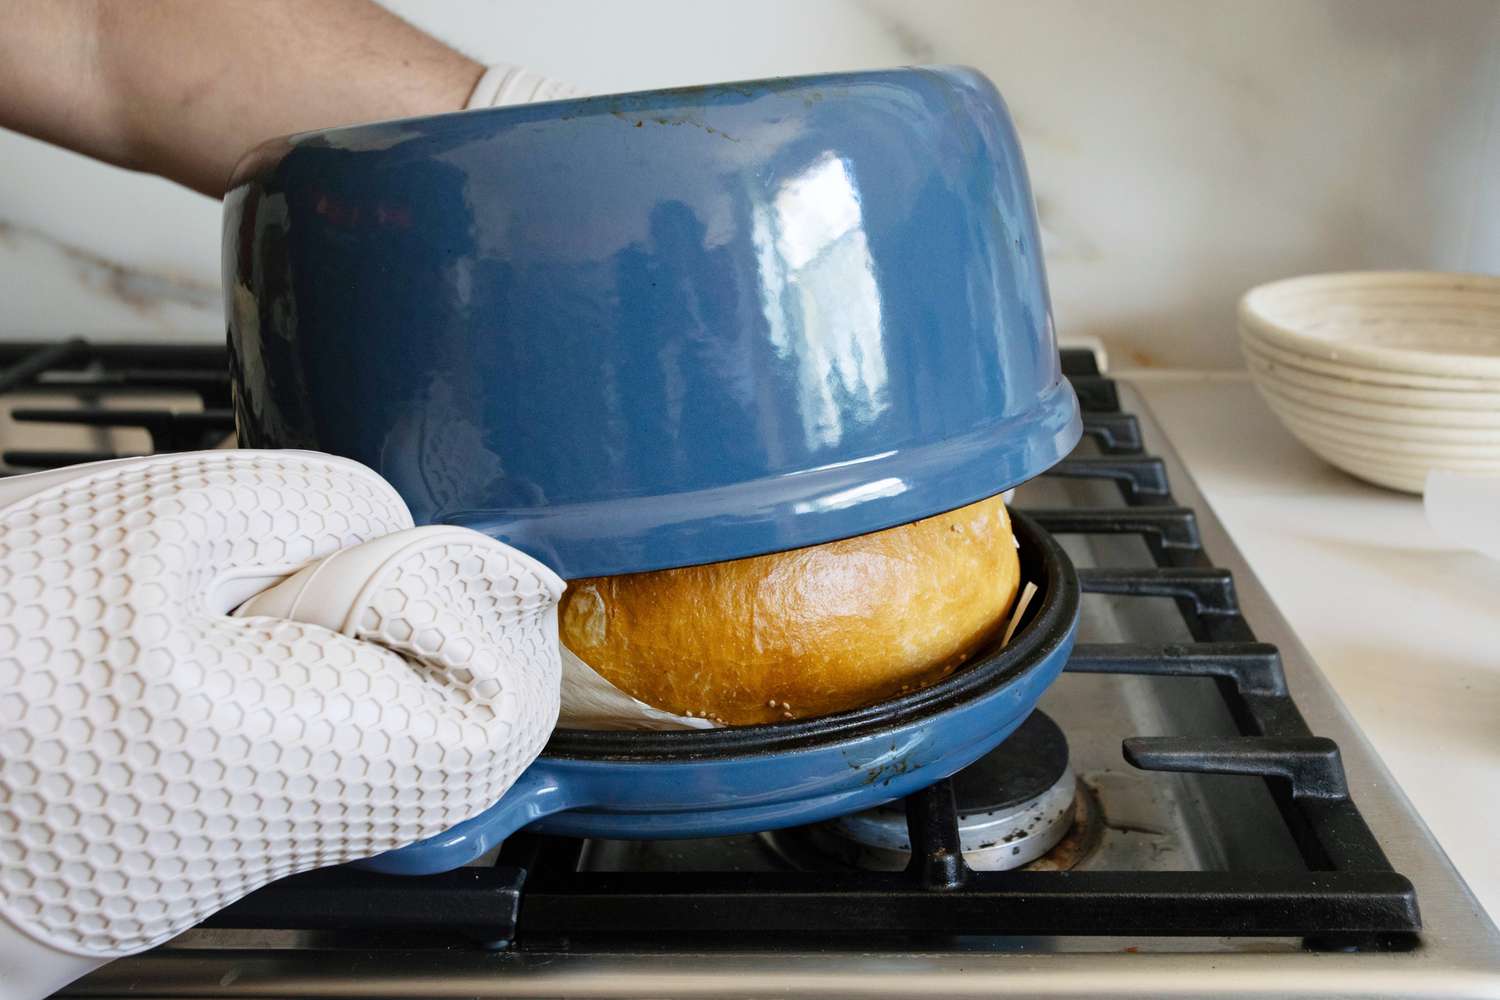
656	329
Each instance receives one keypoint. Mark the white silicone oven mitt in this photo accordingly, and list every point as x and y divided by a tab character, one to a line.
159	758
504	84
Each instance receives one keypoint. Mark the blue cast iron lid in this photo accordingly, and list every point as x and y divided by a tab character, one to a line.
658	329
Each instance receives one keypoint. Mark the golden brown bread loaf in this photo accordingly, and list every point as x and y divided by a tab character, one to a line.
804	632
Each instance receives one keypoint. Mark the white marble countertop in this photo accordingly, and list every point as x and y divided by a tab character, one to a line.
1406	628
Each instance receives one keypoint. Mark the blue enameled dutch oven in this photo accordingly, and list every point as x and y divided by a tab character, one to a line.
668	328
657	329
715	782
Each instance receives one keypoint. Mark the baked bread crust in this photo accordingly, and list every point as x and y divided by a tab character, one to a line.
804	632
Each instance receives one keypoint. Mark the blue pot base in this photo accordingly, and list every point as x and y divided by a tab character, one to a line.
707	783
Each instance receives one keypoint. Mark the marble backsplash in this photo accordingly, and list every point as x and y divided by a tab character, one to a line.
1181	151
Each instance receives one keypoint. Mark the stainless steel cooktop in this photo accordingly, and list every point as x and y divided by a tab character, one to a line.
1129	819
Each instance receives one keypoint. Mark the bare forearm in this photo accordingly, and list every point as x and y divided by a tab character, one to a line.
183	87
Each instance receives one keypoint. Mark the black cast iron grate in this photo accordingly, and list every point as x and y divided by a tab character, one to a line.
1348	898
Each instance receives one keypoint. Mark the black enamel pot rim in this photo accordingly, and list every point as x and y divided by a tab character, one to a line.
1046	625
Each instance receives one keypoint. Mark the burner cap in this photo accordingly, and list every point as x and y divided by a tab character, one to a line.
1030	761
1014	804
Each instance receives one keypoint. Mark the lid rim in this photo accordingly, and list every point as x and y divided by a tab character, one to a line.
793	511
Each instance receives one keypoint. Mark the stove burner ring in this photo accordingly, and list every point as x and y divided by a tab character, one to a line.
992	841
1019	804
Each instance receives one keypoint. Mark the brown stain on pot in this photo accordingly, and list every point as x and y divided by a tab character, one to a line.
671	121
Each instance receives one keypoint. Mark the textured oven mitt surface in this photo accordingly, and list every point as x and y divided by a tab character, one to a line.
160	759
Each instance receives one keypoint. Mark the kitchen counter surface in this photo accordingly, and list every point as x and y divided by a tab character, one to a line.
1405	627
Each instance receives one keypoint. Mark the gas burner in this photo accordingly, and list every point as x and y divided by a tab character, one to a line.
1015	805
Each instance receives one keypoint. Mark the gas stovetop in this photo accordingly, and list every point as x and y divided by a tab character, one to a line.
1191	811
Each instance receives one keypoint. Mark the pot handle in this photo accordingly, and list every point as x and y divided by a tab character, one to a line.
540	791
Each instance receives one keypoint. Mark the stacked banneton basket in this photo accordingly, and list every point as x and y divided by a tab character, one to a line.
1387	375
